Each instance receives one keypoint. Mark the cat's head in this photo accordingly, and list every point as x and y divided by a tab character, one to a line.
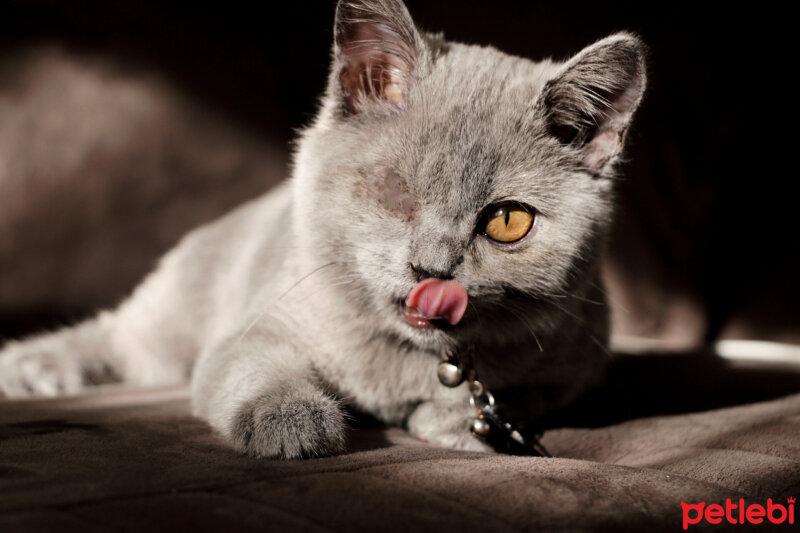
431	158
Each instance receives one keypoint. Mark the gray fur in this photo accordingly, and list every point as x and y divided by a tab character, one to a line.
289	307
294	420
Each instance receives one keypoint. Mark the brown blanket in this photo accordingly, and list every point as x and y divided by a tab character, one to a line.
126	460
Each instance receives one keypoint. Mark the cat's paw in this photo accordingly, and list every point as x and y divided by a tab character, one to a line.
446	426
292	423
458	440
31	369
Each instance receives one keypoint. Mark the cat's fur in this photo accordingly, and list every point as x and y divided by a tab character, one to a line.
289	308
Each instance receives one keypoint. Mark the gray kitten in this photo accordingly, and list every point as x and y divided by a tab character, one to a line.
446	197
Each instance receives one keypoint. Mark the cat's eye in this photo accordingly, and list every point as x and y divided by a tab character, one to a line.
507	223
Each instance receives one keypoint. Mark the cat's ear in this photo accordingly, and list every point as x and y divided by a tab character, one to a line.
589	104
376	51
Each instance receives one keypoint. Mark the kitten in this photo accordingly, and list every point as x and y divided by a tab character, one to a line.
446	197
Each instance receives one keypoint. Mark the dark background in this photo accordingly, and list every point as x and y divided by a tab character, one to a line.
706	241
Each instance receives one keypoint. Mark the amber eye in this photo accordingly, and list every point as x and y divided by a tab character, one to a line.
508	223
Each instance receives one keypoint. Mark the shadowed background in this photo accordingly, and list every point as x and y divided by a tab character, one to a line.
124	124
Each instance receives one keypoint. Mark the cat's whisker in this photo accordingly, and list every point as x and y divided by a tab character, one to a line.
564	310
477	314
331	285
582	321
565	296
528	326
614	300
298	282
251	325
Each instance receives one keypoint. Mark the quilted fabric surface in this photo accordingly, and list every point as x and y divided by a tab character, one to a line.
129	460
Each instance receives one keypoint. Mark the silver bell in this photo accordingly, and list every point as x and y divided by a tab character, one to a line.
450	375
480	427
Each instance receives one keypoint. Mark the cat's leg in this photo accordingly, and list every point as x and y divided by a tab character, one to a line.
148	341
100	350
447	424
62	362
260	391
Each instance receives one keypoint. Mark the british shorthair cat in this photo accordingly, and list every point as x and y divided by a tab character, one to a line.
447	199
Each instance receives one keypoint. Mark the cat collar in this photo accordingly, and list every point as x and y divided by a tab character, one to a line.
488	425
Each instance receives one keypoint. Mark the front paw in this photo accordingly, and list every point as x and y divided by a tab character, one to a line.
31	369
459	440
295	422
447	426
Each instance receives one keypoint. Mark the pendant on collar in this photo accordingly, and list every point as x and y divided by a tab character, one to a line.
450	374
487	425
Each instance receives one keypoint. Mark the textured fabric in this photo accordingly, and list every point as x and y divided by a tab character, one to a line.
126	460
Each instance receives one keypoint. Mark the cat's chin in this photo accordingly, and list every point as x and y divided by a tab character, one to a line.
429	339
417	320
425	334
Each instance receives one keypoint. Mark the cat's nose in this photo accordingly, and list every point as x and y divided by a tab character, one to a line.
421	273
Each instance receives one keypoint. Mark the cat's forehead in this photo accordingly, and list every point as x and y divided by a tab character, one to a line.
469	126
481	80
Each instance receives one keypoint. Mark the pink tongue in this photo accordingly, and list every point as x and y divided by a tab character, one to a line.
438	298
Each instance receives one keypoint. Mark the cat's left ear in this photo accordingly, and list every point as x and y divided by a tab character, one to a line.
377	49
590	102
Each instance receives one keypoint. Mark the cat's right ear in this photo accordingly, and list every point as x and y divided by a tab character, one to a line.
376	52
